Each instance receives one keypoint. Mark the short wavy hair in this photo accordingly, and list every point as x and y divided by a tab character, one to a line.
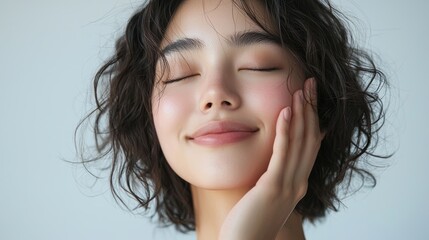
349	107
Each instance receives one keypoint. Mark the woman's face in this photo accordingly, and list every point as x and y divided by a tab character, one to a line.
215	111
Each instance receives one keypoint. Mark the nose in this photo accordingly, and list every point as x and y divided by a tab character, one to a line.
219	93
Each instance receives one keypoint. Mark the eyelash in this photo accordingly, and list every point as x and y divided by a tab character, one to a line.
178	79
249	69
261	69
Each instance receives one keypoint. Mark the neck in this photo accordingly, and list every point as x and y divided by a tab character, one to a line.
212	206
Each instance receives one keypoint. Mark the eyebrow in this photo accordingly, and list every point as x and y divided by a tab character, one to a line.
239	39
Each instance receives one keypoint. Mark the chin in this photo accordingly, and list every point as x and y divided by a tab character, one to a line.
224	174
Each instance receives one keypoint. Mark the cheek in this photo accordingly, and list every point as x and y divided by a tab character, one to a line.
267	100
170	113
167	109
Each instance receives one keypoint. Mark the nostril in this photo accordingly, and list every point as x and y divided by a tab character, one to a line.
210	105
226	103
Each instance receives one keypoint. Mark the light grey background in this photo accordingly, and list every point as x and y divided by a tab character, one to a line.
49	51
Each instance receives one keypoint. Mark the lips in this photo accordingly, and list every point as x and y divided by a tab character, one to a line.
222	132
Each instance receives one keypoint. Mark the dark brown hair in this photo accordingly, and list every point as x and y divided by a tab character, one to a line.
349	107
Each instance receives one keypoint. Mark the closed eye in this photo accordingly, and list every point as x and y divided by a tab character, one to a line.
179	79
261	69
168	81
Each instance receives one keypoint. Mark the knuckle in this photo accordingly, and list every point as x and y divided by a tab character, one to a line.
298	134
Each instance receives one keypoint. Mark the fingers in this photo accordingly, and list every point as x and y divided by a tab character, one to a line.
297	140
312	135
281	142
311	118
297	129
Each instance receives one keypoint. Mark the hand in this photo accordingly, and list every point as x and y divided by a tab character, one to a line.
262	212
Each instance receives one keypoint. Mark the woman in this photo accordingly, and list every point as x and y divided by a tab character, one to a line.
239	119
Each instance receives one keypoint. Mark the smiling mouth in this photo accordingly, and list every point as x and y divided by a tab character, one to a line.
221	132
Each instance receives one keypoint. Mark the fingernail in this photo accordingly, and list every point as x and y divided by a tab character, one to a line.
287	113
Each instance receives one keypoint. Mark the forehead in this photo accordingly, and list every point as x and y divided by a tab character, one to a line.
210	20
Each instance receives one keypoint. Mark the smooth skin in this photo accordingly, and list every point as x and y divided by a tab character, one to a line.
262	212
246	189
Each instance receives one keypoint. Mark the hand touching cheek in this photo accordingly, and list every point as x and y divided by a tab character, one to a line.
261	213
